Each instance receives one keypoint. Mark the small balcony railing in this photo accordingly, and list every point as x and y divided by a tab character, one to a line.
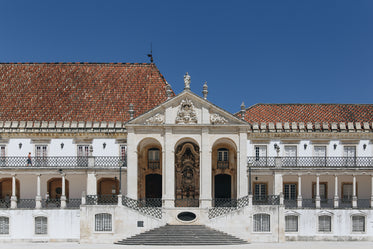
102	199
290	162
154	165
266	200
63	162
223	165
328	204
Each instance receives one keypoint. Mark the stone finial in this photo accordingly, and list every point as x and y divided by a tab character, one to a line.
186	81
168	91
243	110
131	111
205	92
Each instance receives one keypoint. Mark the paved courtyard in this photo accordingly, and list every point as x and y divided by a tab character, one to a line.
287	245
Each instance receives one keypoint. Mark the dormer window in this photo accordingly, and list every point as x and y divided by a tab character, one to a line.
153	158
223	162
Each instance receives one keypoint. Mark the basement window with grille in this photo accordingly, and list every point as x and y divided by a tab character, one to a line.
4	225
103	222
41	225
325	223
358	224
262	223
291	223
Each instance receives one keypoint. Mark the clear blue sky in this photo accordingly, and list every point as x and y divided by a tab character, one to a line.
254	51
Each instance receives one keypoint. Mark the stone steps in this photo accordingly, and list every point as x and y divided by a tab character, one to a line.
182	235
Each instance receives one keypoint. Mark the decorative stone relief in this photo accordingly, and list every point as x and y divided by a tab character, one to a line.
186	113
156	119
217	119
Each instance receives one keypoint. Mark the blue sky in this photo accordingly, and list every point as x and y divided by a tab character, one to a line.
253	51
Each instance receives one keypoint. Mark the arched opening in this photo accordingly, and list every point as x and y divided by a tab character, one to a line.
150	172
54	188
6	188
153	190
224	172
187	175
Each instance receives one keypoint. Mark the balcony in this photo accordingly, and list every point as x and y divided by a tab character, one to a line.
64	162
310	162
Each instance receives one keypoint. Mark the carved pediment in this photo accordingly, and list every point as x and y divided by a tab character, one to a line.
156	119
186	113
217	119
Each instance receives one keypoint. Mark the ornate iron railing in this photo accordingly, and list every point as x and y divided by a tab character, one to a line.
139	206
354	162
224	202
5	203
154	165
223	165
150	202
26	203
266	200
290	203
102	200
221	210
187	202
73	203
63	162
51	203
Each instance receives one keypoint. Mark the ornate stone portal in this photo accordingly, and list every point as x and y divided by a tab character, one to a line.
187	175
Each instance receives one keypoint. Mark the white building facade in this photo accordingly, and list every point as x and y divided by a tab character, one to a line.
183	160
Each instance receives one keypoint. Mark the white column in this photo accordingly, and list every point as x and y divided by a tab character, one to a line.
299	198
132	164
38	194
63	196
205	169
242	179
91	183
277	183
354	197
317	191
13	199
336	198
169	163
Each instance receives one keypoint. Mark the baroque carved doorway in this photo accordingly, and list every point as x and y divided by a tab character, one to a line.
187	175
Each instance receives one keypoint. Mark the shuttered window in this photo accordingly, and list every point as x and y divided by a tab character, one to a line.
261	223
103	222
41	225
4	225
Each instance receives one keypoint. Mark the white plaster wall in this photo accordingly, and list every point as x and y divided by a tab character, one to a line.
63	225
124	224
111	149
69	148
341	225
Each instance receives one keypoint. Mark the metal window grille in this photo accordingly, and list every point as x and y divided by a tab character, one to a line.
223	162
41	225
153	158
103	222
358	223
4	225
325	223
261	223
291	223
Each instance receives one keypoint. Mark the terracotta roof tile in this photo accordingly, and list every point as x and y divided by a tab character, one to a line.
78	91
309	113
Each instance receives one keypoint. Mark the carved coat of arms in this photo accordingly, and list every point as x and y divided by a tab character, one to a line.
186	113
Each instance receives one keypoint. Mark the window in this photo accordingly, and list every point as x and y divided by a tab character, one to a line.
358	223
290	156
153	158
260	191
323	191
41	225
223	162
260	155
41	154
83	152
319	158
103	222
2	155
291	223
261	223
349	154
346	192
123	155
290	191
4	225
325	223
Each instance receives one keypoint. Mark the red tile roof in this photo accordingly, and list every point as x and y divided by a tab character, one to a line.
78	91
327	113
